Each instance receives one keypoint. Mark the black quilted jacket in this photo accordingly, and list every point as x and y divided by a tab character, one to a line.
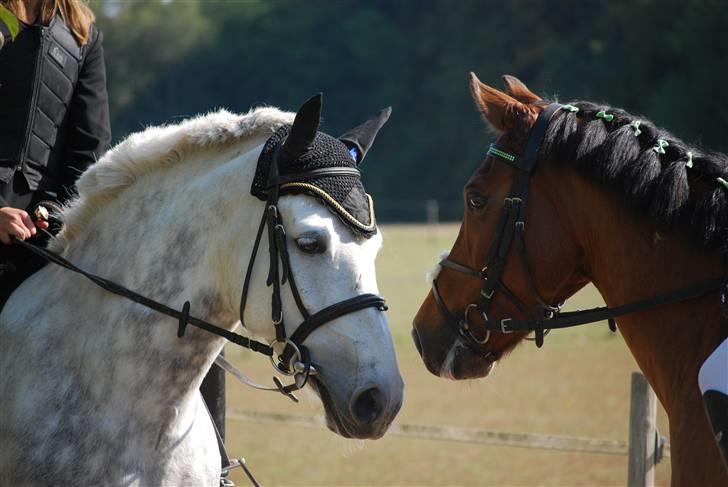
54	114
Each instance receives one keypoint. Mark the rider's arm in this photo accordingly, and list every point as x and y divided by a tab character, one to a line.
89	130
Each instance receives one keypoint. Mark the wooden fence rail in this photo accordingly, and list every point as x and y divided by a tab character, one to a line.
451	433
645	447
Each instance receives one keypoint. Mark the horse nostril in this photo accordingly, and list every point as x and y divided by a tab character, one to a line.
367	406
416	339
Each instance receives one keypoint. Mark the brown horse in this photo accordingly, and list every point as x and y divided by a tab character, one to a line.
615	201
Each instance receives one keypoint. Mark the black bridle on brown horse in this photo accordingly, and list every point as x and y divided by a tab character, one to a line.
511	228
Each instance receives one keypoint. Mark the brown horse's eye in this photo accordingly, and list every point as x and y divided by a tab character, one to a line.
475	201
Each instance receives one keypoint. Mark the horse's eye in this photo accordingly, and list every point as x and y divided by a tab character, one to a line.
476	201
310	245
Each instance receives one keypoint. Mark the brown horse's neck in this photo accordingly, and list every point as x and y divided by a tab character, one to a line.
627	259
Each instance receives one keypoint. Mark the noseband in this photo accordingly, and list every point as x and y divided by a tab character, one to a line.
511	228
295	358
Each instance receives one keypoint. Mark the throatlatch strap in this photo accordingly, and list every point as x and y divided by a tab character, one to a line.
249	271
530	158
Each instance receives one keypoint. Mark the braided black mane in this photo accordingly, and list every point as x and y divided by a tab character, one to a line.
628	158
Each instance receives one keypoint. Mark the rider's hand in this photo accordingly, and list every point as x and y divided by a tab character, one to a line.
14	221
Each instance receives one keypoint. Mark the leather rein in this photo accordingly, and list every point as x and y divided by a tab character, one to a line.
295	358
510	229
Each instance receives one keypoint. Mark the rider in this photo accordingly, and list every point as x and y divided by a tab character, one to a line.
54	119
713	381
54	123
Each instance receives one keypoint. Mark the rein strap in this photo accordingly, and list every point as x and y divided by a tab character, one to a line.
182	316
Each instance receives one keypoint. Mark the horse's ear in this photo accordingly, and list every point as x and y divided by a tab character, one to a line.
500	110
361	137
304	128
518	90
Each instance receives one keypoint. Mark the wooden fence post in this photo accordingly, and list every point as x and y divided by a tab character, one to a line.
642	433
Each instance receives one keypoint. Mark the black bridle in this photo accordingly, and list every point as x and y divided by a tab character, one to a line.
295	358
511	228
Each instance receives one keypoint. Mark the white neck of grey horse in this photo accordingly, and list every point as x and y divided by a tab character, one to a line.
98	389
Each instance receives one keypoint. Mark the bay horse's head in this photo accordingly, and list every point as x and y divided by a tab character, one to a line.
487	275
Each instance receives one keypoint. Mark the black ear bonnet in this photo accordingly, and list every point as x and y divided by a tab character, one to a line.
343	193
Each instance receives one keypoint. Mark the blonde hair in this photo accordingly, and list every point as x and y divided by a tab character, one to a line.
75	14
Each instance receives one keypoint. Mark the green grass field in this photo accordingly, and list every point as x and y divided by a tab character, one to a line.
577	384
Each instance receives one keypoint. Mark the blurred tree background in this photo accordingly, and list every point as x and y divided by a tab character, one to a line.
171	59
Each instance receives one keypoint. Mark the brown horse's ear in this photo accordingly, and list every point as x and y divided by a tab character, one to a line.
519	91
500	110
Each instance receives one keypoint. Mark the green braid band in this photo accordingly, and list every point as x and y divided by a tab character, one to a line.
722	182
608	117
494	151
690	160
660	147
570	108
636	126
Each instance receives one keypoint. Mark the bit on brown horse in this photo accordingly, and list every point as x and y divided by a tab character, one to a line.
615	201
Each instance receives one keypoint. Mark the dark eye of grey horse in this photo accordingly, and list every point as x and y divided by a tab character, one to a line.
310	245
475	201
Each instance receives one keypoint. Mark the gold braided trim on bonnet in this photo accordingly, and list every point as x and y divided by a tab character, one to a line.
342	211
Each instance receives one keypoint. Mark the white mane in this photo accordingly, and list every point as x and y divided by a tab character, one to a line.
156	148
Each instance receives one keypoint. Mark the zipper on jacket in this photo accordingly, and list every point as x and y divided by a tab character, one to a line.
37	73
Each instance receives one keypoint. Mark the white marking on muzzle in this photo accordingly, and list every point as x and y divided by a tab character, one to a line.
447	364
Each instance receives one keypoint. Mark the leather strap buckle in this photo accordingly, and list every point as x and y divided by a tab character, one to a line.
487	295
279	320
504	326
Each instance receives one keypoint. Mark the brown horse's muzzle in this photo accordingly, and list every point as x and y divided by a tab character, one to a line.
442	352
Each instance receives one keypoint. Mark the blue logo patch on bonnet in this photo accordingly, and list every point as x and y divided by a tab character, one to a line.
343	193
354	153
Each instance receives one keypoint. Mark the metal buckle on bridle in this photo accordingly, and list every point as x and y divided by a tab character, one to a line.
489	295
466	326
553	312
279	320
504	327
512	202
